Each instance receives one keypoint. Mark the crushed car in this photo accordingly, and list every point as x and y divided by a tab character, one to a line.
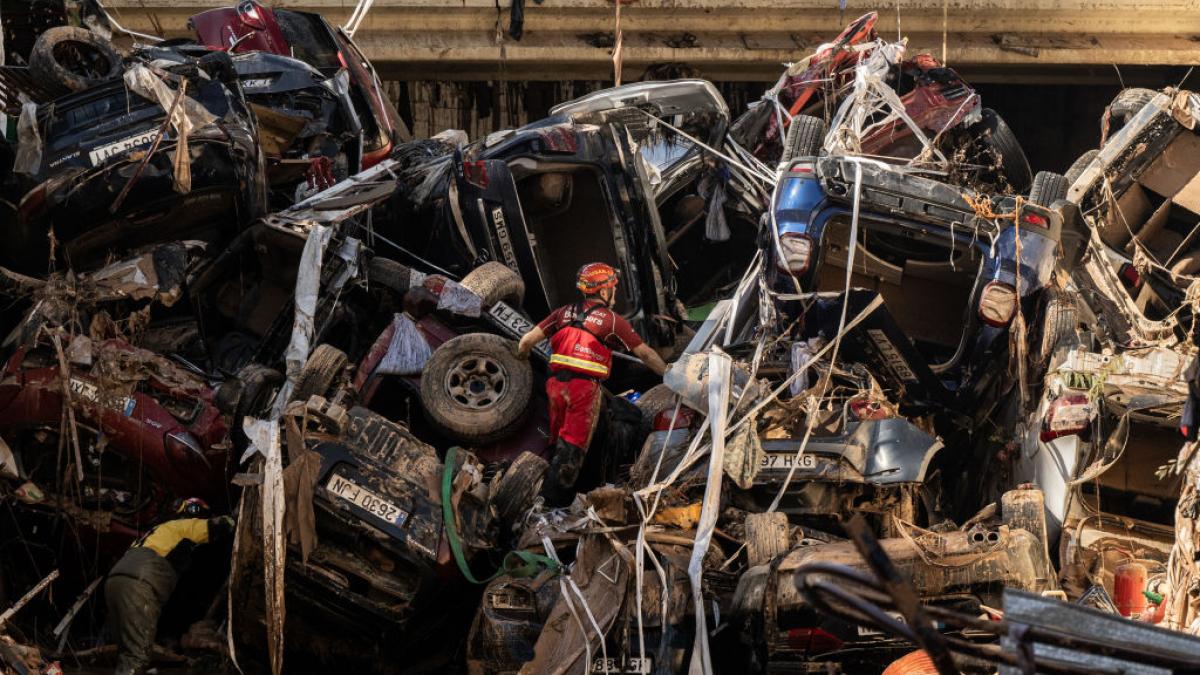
926	111
145	158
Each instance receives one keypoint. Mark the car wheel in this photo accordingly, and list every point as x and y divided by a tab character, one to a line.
805	136
656	399
389	274
767	537
1048	187
1006	150
494	282
475	390
1129	103
73	58
1080	165
322	370
250	392
1058	328
518	486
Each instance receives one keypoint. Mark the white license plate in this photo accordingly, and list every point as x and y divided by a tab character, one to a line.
871	631
631	665
106	152
366	500
786	460
514	323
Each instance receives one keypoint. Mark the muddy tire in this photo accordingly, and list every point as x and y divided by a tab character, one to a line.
1057	328
389	274
494	282
1129	103
805	136
767	537
1006	149
1079	165
475	390
73	58
655	400
1048	187
322	370
516	489
250	392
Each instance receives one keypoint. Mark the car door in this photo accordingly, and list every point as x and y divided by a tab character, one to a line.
487	213
646	242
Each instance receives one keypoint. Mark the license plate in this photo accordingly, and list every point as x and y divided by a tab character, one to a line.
632	665
106	152
366	500
871	631
786	460
515	324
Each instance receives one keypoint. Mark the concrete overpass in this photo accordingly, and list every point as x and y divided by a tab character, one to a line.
989	40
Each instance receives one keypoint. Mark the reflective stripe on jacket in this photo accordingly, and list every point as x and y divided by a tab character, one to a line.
577	349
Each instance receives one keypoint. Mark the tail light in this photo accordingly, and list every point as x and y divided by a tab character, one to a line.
184	450
476	173
669	419
866	409
248	13
998	304
1067	416
797	252
802	168
1034	219
1130	276
813	640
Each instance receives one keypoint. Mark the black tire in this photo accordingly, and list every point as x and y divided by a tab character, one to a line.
1048	187
73	58
996	135
475	390
389	274
805	135
1059	319
493	282
655	400
259	385
1128	103
324	366
1079	165
516	489
767	537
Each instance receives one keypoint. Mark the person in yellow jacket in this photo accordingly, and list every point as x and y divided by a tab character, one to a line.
143	579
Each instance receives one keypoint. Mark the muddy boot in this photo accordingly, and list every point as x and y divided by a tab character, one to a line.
562	474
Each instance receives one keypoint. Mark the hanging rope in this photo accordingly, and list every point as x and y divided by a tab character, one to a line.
618	39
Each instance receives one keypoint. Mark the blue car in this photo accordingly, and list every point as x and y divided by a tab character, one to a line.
952	266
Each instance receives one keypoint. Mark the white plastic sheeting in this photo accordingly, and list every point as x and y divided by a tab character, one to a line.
873	105
407	352
718	406
308	282
29	141
264	435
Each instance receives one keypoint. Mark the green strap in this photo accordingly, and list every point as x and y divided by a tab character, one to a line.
515	563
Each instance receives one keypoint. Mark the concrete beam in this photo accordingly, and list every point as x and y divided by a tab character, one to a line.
729	39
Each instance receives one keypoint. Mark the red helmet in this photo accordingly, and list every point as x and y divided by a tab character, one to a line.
593	277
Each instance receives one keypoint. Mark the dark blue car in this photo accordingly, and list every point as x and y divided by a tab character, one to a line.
952	266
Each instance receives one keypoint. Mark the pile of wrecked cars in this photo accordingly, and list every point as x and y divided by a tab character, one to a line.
922	404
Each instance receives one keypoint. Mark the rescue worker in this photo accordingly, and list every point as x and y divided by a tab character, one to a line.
582	337
143	579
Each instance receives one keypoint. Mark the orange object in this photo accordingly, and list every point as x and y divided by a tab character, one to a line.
912	663
1128	583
